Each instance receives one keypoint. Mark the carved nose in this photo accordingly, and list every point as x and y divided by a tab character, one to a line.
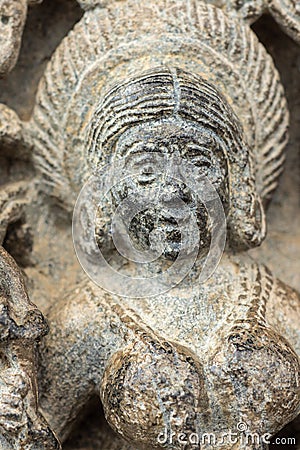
173	191
175	203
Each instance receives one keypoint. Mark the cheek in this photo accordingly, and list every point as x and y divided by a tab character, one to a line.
202	218
217	175
122	190
140	187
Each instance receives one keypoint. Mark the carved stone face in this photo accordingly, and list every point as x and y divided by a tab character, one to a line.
172	113
148	151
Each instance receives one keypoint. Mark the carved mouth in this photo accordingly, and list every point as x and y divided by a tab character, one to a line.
169	226
163	234
166	238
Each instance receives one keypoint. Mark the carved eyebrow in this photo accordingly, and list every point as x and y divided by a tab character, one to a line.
143	159
196	149
138	147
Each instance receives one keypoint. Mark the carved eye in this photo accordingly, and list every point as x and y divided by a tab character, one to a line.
148	173
145	166
201	161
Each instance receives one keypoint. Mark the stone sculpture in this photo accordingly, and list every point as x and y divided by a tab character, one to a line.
166	78
13	16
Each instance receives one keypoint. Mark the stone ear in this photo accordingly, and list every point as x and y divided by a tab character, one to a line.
246	220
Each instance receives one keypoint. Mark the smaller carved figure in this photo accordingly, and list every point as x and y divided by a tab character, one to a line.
21	327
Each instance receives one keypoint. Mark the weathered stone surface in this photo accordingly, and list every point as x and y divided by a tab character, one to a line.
12	21
21	327
208	26
176	353
285	12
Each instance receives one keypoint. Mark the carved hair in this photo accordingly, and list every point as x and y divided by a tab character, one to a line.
194	36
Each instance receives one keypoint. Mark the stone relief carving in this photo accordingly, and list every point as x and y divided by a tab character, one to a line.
132	82
22	325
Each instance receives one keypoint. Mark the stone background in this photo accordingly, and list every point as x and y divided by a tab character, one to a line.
46	25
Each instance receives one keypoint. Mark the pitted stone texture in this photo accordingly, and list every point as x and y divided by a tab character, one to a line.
21	327
12	20
212	34
285	12
90	4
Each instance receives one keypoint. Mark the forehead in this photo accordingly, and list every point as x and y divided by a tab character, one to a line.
157	135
